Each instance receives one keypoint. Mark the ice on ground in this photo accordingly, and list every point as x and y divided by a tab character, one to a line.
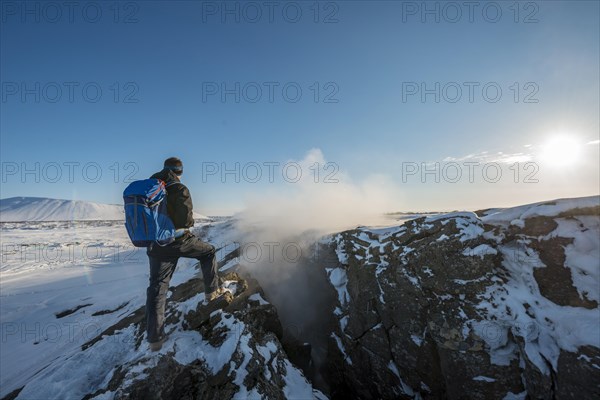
343	323
515	396
191	304
403	386
340	345
469	228
365	237
484	379
480	251
442	237
546	328
71	376
230	286
339	279
339	249
467	222
457	214
545	208
296	385
99	268
384	232
518	223
583	256
241	372
229	264
258	297
417	339
392	367
267	351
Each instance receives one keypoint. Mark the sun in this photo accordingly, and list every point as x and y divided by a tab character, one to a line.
561	151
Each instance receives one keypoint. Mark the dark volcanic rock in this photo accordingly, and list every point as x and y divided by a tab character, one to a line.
464	306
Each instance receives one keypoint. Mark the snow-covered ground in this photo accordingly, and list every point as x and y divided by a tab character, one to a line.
62	283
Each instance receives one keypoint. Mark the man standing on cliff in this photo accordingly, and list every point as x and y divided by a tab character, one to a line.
163	259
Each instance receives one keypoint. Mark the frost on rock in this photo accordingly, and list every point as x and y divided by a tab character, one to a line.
340	345
484	379
480	251
258	297
546	209
544	327
339	280
515	396
583	255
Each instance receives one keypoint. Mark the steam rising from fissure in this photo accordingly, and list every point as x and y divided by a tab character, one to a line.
278	224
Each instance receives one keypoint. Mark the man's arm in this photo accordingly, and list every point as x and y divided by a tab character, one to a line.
179	201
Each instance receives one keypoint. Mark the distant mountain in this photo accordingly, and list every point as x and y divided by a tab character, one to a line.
17	209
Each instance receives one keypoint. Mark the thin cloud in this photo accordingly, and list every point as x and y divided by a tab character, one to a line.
487	157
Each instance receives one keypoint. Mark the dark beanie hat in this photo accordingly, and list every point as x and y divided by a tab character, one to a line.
174	164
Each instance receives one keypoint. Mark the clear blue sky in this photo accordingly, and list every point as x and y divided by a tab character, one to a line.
168	51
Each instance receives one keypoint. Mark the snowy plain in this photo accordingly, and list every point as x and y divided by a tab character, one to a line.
62	284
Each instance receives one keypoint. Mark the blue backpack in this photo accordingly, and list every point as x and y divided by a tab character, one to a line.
146	217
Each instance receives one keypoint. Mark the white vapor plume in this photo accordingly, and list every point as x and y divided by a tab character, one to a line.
295	216
321	207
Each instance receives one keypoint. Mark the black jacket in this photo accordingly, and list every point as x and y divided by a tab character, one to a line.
179	201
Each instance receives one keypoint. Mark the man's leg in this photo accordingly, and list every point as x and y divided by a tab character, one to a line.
161	271
192	247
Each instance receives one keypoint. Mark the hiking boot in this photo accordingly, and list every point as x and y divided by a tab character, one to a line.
156	346
213	295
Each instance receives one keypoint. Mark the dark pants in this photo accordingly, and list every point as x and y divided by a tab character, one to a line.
163	261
